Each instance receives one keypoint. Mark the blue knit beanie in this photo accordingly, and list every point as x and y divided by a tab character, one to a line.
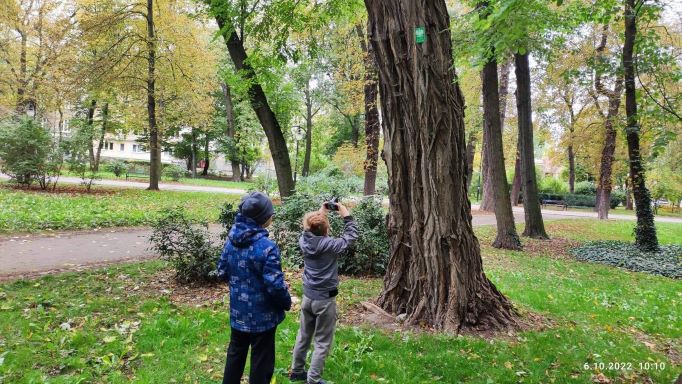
256	206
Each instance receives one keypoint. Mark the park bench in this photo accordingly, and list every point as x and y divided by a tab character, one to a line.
558	203
137	174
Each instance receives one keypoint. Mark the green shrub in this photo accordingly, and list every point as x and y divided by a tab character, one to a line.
24	149
552	185
331	181
370	254
585	188
265	184
228	214
117	167
666	262
617	198
550	196
577	200
174	172
186	245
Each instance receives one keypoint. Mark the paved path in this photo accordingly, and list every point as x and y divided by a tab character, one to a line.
140	185
37	254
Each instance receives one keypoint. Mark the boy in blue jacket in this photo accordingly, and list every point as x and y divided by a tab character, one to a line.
250	263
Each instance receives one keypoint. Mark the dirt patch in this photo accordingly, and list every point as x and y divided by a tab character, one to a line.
557	247
672	349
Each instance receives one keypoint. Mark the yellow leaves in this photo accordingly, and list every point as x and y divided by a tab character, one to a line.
508	365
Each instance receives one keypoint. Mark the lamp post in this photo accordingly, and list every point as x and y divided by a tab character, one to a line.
296	132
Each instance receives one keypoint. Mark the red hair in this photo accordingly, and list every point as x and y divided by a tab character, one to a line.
316	222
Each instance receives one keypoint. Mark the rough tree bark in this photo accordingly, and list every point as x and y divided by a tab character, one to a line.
371	116
154	145
645	232
605	184
435	274
229	115
507	237
259	102
628	195
105	120
535	226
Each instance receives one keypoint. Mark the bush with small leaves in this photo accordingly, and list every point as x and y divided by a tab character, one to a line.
666	262
117	167
585	188
174	172
369	256
265	184
25	148
186	245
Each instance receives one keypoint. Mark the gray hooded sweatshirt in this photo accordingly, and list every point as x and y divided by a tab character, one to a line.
320	254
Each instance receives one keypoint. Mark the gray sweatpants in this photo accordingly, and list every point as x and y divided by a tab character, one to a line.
318	322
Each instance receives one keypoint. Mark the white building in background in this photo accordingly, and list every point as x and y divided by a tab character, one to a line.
126	147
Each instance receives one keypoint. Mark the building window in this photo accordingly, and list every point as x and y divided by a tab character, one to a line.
111	146
123	146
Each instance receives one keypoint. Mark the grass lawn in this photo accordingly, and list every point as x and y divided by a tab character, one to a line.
120	325
187	181
37	211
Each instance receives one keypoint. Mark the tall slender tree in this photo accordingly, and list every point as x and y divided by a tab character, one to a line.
535	227
371	116
435	273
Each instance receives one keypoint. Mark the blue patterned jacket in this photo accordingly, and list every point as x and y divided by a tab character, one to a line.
250	263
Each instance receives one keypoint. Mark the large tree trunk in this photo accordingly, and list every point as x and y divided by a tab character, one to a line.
105	120
371	117
229	115
259	102
535	226
470	154
645	232
506	230
435	273
308	129
516	182
154	145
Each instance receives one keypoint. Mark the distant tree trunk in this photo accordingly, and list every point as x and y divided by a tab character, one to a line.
105	120
154	145
229	114
206	156
628	195
535	226
607	156
355	130
604	185
571	169
194	154
433	277
89	122
259	102
308	129
371	116
645	232
61	125
506	230
504	90
21	87
516	183
470	154
487	203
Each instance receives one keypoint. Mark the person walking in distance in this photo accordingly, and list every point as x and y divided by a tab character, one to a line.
320	287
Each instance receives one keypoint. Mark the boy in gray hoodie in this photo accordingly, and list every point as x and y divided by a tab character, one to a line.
320	287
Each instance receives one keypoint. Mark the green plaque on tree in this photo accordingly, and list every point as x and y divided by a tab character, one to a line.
419	35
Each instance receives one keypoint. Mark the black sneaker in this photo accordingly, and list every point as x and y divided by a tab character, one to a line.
298	376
